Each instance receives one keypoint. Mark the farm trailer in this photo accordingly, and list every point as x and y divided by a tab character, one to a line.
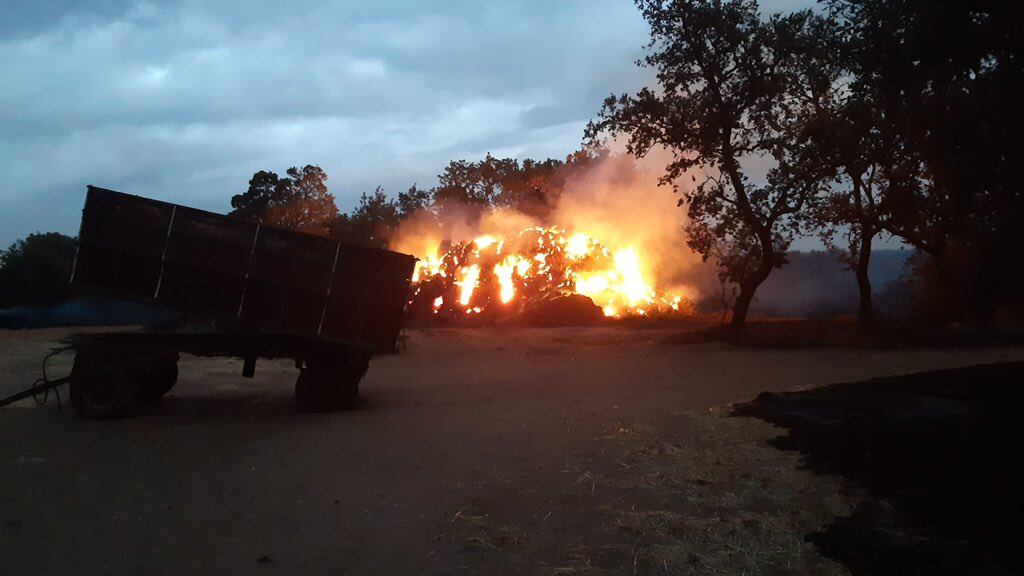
247	290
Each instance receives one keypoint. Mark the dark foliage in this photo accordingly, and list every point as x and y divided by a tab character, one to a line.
946	80
907	110
299	200
35	271
531	186
413	201
373	220
847	130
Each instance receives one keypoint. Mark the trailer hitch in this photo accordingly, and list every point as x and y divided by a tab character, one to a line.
42	385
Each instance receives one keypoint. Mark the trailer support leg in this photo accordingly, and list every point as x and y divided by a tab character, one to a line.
249	367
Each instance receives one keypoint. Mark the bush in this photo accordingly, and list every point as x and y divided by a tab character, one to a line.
35	271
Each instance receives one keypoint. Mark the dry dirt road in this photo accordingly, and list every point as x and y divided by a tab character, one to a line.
466	432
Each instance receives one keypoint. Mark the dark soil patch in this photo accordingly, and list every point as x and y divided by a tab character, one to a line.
939	453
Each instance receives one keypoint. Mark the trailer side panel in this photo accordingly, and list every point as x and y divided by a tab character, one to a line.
247	274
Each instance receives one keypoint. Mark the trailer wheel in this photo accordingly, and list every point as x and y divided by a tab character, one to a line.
328	387
102	387
158	378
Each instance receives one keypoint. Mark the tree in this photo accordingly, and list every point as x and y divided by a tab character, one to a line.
306	204
371	223
412	201
473	184
531	186
265	190
528	186
954	107
299	201
534	187
726	81
35	271
847	129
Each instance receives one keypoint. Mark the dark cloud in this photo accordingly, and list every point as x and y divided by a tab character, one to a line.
26	18
185	100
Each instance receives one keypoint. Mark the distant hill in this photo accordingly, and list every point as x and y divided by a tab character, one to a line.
818	284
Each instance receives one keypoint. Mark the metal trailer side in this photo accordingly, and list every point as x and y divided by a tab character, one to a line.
266	291
239	273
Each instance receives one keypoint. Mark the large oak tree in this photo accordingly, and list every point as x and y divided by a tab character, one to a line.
726	82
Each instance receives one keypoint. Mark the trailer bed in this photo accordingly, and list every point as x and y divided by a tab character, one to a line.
260	292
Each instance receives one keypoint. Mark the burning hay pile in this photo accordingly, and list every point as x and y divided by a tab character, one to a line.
553	243
537	270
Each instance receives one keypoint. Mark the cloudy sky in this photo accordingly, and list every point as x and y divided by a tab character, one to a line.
184	100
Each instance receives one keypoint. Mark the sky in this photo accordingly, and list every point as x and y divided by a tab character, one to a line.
184	100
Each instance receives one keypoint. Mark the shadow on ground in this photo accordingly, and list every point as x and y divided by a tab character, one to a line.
936	452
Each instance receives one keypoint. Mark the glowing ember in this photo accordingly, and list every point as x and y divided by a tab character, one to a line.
495	273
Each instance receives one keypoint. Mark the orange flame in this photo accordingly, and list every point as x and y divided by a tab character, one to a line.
544	262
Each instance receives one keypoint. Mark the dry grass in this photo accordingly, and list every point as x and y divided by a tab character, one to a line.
724	503
721	501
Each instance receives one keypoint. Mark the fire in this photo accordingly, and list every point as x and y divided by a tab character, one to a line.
495	272
504	271
484	241
469	275
578	246
428	261
605	230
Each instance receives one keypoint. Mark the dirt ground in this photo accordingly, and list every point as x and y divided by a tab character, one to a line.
513	451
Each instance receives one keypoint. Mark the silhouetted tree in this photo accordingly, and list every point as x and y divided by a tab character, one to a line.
299	201
265	190
533	189
847	129
35	271
948	79
371	223
579	162
412	201
473	184
726	81
528	186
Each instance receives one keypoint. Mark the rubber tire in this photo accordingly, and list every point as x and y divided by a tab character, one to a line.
158	378
103	387
330	387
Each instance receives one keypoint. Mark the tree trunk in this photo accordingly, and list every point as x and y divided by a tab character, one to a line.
740	308
763	233
865	312
747	290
